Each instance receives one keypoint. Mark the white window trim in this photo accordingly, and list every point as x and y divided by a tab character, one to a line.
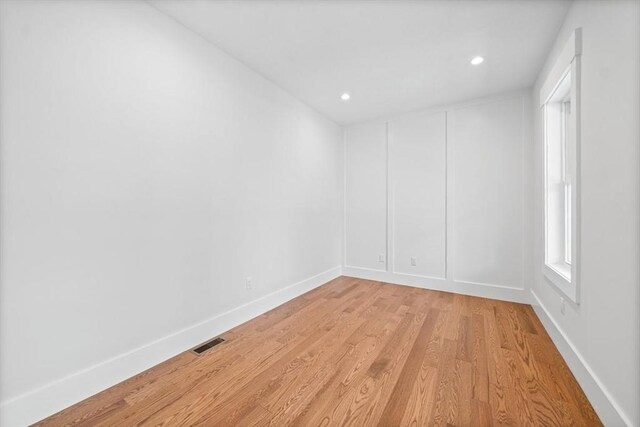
568	62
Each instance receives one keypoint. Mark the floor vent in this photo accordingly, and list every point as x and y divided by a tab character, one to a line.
206	346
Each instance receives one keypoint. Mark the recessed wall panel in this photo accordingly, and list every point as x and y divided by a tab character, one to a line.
486	141
417	168
366	196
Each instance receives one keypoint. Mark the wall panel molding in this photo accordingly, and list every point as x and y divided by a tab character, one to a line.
502	253
366	196
445	285
487	218
417	194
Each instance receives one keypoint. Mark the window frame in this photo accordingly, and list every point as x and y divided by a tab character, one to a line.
564	274
567	184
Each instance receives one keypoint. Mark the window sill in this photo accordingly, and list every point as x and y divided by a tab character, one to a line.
562	269
559	275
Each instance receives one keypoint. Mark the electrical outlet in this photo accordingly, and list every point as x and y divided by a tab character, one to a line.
381	258
249	282
561	305
414	261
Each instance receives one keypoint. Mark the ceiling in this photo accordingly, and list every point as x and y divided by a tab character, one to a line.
391	56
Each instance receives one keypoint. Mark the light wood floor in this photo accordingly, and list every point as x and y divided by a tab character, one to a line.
356	352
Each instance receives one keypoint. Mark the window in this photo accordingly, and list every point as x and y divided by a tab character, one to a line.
566	182
560	110
558	141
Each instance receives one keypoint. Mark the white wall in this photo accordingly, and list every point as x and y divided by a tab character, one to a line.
488	193
144	175
603	331
448	187
366	187
417	176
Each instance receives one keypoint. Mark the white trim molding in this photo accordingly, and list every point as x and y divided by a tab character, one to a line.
571	50
504	293
514	288
610	413
47	400
565	277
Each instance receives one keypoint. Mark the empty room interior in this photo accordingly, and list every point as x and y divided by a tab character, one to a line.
320	213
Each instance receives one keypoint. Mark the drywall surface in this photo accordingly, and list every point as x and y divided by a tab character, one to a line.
604	329
488	197
417	164
145	175
443	196
366	200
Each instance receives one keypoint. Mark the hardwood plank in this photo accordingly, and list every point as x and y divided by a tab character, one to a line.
357	352
479	369
500	397
396	405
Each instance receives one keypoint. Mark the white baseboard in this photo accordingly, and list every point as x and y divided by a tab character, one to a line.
466	288
604	404
53	397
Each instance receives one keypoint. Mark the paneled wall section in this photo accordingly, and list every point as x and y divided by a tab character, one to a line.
417	176
437	199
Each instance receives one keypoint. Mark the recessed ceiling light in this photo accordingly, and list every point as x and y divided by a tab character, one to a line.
345	96
477	60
